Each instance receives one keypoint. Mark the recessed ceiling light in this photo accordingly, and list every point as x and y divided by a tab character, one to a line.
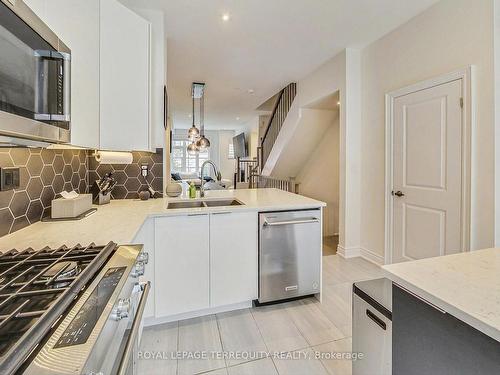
237	119
338	103
250	91
225	17
190	115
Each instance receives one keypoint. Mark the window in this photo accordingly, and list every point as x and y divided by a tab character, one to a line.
230	151
182	161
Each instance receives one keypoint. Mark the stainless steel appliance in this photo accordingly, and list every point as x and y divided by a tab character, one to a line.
71	310
372	327
289	254
34	77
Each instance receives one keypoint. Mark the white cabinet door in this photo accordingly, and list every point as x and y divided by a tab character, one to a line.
124	78
76	23
146	237
181	264
233	257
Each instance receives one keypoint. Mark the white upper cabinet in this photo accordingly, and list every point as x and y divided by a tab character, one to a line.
124	78
76	22
114	105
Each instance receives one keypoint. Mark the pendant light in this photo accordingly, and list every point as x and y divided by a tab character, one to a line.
202	143
193	132
192	149
198	140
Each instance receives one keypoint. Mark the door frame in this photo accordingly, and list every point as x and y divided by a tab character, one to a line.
467	76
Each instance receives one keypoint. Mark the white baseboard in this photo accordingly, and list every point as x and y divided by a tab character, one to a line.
349	252
372	257
354	252
152	321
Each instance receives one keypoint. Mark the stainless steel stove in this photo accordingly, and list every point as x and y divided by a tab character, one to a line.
71	310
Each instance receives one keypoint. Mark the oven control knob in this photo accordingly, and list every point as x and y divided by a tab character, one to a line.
143	257
138	269
121	310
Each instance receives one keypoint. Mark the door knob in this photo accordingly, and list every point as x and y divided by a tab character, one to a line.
398	193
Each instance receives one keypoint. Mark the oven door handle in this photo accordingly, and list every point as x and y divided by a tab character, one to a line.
134	330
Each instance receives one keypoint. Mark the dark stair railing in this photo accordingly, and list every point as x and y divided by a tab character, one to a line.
248	171
278	116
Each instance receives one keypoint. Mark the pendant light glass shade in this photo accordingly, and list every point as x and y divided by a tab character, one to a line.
192	149
193	133
203	143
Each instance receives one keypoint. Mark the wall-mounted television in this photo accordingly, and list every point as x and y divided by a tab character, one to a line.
240	146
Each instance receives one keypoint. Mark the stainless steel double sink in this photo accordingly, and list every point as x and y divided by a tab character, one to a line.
204	203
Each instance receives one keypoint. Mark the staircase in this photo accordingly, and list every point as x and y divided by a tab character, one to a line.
248	172
276	120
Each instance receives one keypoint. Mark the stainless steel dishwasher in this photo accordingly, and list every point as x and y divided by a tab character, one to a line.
289	254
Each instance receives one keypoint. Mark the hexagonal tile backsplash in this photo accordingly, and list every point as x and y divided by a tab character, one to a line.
129	181
39	169
45	173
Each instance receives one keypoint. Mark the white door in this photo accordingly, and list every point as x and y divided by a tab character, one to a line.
233	257
427	172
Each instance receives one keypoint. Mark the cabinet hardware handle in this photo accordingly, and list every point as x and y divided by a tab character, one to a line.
197	214
422	299
376	319
221	213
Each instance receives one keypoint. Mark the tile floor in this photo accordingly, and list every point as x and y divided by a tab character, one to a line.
297	330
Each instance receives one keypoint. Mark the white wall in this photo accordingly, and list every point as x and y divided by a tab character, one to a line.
226	165
251	131
496	34
319	177
448	36
339	74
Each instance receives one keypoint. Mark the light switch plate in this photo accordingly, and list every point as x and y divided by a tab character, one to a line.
9	178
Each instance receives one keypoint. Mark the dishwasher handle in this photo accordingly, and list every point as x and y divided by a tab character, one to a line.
291	222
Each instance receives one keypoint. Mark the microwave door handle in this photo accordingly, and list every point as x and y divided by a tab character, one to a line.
134	331
64	72
290	222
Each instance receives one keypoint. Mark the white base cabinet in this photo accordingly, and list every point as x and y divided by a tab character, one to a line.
181	264
233	257
205	261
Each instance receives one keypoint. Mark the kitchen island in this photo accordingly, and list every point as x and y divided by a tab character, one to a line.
202	260
446	314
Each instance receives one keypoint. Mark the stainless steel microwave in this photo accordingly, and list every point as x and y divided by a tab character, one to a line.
35	76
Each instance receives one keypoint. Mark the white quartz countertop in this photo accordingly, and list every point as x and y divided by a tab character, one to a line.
120	220
465	285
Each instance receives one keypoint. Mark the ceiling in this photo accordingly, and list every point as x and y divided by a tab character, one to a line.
265	45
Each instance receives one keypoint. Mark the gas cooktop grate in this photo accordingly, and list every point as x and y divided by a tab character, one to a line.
36	286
